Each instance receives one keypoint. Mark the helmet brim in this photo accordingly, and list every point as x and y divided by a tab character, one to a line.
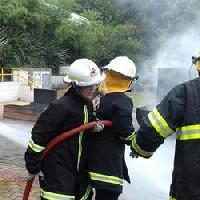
67	80
95	82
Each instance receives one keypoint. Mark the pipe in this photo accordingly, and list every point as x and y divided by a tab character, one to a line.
56	141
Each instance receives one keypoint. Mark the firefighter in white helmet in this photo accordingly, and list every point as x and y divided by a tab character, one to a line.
178	112
107	167
196	61
65	176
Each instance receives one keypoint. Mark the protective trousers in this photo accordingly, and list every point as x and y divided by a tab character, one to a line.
106	195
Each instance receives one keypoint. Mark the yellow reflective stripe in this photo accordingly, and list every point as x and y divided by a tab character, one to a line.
87	193
188	132
155	125
189	137
81	136
35	147
85	114
159	123
195	127
55	196
139	150
107	179
79	149
130	137
172	198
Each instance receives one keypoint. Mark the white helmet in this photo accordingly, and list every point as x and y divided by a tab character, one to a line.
122	65
196	57
83	72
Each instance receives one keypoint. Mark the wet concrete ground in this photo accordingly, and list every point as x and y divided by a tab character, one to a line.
11	152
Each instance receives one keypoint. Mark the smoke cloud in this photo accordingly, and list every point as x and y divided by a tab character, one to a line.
173	52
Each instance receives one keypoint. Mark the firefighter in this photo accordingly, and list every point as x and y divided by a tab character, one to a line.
178	112
106	163
64	167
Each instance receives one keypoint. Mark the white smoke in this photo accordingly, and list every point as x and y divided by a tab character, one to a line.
171	64
178	50
176	53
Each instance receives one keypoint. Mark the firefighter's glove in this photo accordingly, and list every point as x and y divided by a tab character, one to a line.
32	176
133	154
98	127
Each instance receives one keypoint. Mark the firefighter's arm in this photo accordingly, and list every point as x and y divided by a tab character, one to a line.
45	129
160	123
122	120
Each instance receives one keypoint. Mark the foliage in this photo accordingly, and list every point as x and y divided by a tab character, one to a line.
41	33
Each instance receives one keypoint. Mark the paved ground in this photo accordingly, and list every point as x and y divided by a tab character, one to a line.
12	171
12	183
150	178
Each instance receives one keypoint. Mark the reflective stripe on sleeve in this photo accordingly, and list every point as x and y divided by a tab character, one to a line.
139	150
35	147
129	138
159	123
188	132
55	196
172	198
107	179
87	193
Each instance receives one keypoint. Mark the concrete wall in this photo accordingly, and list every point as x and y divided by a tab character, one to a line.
20	76
37	77
12	91
25	93
9	91
57	82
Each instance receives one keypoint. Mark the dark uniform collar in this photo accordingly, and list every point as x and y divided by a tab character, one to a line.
77	95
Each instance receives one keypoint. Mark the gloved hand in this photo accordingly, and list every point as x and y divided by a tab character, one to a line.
98	127
133	154
96	103
32	176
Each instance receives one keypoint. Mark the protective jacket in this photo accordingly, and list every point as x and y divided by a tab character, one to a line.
178	112
65	175
106	162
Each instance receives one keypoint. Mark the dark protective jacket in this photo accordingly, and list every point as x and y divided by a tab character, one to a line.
178	112
65	175
106	162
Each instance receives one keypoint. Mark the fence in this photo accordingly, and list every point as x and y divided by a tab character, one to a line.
18	75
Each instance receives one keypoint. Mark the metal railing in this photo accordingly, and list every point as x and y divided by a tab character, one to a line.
27	77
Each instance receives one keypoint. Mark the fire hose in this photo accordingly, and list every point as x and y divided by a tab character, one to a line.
56	141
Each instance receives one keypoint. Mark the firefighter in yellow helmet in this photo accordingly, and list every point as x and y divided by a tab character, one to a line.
107	167
179	113
65	175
